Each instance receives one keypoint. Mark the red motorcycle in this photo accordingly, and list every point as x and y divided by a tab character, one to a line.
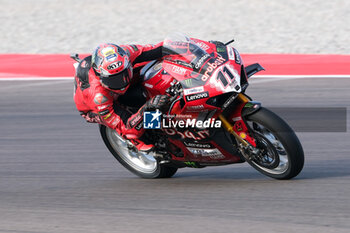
211	120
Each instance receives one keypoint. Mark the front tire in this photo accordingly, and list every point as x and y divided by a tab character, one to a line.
141	164
284	156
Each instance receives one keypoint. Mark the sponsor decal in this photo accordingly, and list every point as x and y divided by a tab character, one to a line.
188	82
198	96
107	116
135	120
195	108
238	126
248	105
179	70
134	47
228	77
199	145
238	59
183	64
191	164
157	66
148	85
112	57
193	90
104	112
231	54
108	51
202	45
212	153
201	61
179	43
220	49
229	101
114	65
236	118
151	120
113	122
212	66
139	126
100	99
102	107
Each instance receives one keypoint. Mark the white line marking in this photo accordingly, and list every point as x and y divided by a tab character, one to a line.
29	84
34	78
274	78
267	80
302	76
277	77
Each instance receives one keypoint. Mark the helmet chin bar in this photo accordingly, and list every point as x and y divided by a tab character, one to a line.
120	92
103	84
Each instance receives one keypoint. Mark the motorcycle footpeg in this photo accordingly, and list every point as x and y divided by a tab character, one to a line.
131	146
163	157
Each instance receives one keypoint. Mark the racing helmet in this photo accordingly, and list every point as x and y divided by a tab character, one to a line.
111	63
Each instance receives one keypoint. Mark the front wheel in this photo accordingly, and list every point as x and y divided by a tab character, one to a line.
141	164
281	155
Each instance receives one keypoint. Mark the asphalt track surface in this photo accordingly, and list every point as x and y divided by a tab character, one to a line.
56	175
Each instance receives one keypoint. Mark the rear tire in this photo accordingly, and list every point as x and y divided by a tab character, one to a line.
270	129
141	164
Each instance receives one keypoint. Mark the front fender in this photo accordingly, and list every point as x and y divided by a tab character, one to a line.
250	108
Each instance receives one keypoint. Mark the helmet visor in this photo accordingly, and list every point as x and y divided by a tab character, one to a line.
116	81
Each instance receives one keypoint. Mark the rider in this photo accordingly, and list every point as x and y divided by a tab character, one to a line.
101	78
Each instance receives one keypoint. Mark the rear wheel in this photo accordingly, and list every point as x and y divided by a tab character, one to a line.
141	164
281	155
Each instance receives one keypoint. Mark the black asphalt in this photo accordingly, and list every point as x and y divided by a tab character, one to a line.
57	176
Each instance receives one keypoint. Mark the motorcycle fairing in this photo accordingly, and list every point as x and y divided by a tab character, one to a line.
205	71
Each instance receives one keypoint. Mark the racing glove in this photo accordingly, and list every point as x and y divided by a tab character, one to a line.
161	102
134	125
91	117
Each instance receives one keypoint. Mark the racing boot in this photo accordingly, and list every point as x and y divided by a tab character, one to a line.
134	130
134	126
134	137
141	146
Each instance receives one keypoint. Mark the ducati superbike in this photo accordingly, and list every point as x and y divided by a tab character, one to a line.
210	122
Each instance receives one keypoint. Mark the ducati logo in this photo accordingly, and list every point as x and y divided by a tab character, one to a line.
100	99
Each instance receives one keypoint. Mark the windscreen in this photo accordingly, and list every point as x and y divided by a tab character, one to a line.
191	58
184	51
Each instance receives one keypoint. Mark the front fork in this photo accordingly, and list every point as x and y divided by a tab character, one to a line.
245	141
227	125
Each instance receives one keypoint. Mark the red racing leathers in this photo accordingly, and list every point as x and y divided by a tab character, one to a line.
96	102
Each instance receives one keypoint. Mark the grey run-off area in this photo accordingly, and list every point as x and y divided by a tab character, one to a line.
56	175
